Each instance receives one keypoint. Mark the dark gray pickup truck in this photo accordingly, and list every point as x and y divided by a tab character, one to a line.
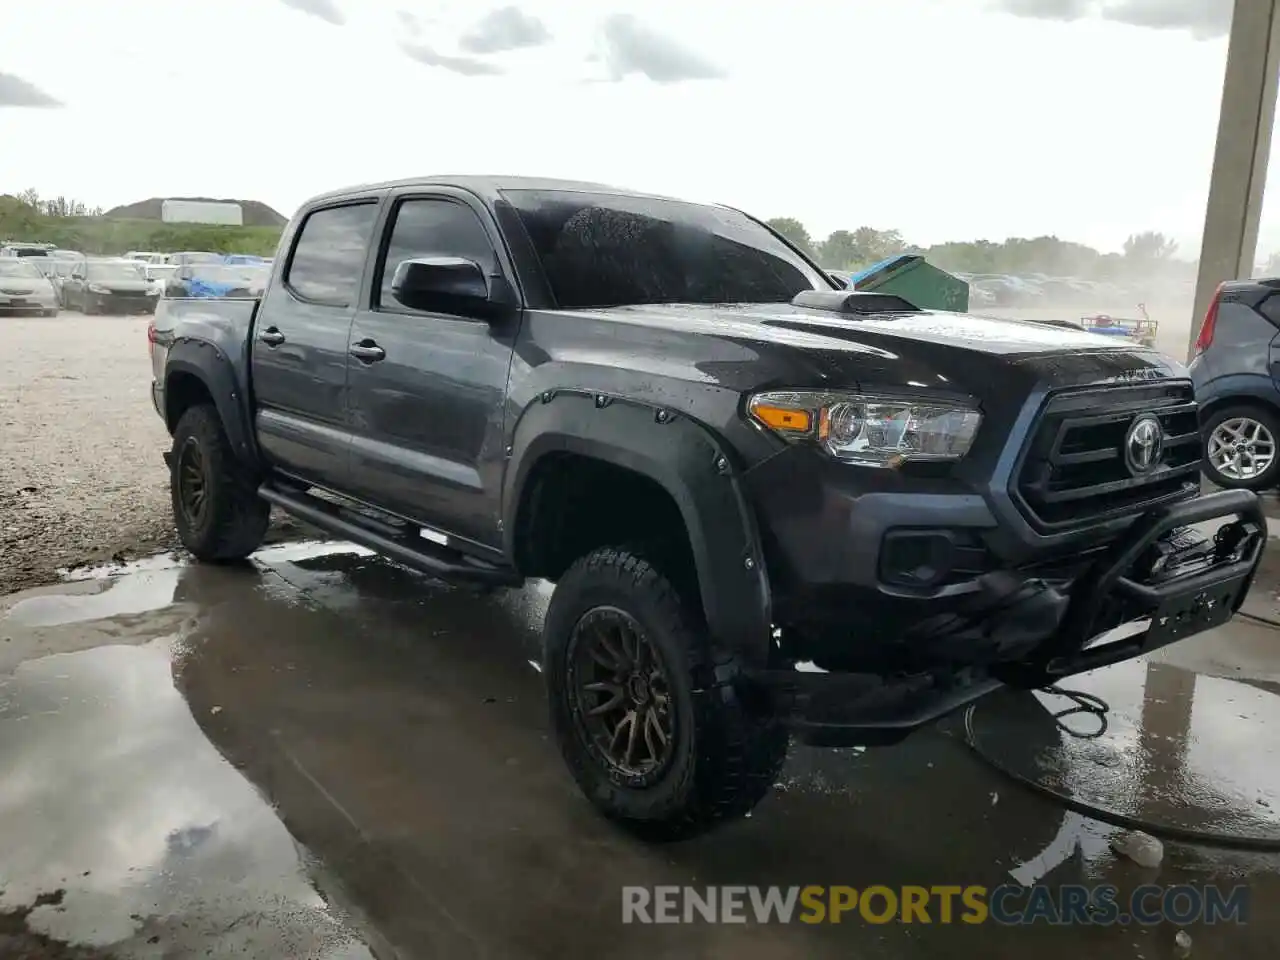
770	507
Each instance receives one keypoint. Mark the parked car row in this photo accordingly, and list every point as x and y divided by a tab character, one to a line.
1038	289
38	277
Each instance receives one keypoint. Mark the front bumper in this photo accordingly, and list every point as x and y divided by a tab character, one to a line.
30	304
1159	581
122	304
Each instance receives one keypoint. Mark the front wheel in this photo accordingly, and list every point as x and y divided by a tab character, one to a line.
1240	448
651	725
216	506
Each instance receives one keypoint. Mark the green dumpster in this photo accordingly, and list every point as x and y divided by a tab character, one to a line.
913	278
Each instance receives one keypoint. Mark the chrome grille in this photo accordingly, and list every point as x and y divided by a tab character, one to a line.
1073	471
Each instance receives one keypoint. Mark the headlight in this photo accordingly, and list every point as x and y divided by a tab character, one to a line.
98	288
870	430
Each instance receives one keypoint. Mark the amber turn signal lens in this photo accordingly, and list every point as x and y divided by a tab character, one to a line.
783	418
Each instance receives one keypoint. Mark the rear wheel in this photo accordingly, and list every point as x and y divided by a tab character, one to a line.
216	506
650	723
1240	448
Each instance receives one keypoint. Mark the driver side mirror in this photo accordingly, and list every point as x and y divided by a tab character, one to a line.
442	285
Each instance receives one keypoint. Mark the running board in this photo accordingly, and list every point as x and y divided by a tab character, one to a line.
423	556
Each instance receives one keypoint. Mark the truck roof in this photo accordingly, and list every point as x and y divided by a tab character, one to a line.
484	186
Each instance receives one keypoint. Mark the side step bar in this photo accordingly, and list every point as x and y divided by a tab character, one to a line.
425	556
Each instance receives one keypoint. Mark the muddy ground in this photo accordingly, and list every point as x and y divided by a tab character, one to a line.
81	475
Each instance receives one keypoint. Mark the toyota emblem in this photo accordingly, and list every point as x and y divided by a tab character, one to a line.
1143	444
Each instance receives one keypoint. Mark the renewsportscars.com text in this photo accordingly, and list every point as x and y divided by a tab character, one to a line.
1009	905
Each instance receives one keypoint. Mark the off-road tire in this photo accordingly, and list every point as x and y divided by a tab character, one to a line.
1270	477
235	520
726	757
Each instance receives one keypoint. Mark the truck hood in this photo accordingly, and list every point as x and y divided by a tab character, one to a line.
980	356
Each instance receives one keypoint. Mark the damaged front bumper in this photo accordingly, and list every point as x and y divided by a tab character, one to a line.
1161	581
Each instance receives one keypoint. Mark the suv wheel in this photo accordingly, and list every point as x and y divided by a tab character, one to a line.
1240	448
651	725
216	506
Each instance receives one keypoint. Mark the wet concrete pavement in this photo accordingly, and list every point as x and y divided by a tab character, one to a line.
323	755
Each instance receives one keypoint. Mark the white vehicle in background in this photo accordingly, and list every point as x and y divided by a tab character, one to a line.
158	275
147	256
24	289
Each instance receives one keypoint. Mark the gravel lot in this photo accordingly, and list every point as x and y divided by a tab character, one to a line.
81	474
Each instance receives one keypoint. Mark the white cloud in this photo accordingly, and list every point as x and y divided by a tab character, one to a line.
326	10
633	47
507	28
1204	19
16	92
467	66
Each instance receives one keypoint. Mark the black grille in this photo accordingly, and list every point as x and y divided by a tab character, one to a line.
1074	470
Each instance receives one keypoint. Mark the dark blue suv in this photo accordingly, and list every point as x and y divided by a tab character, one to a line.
1236	370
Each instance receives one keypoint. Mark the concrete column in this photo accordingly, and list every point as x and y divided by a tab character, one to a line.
1243	151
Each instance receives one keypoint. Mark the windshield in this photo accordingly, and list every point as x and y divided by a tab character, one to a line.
108	270
602	250
18	268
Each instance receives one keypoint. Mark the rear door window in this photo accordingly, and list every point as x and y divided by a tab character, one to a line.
329	255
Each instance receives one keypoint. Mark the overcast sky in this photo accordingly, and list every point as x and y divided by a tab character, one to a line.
948	119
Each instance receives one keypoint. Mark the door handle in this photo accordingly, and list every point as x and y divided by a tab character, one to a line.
366	351
271	336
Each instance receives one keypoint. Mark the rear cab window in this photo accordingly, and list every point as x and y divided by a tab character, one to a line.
329	255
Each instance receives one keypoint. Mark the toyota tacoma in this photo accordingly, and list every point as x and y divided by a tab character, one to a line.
770	507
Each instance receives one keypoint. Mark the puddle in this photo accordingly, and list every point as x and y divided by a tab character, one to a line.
123	828
134	593
161	561
293	552
1185	753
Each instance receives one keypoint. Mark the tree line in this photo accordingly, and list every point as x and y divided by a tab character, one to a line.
1144	253
73	225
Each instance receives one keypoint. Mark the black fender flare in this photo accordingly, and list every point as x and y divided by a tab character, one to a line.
693	466
213	368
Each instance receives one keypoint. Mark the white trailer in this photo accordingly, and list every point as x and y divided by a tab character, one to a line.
202	211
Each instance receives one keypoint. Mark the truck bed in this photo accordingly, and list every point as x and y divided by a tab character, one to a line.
225	322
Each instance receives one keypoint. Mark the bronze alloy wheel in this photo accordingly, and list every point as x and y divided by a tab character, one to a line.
193	484
621	697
